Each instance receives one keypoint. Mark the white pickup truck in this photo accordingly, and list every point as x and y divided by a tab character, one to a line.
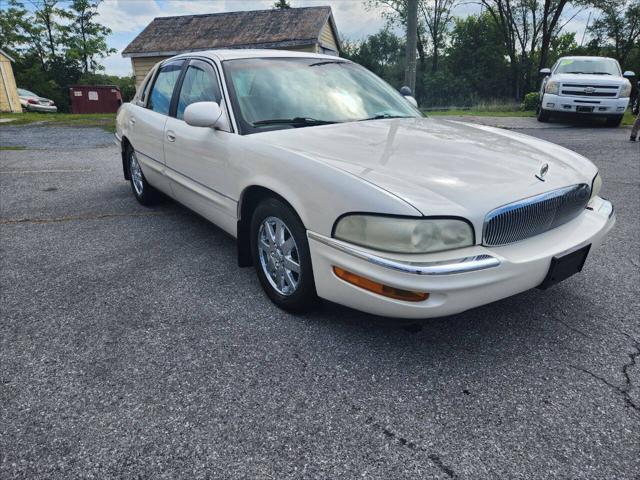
585	85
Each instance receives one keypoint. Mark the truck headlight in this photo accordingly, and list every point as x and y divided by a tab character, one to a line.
552	87
625	91
404	235
596	186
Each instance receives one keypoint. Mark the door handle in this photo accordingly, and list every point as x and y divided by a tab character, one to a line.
132	121
171	136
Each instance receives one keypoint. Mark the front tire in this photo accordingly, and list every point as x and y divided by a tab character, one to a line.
142	190
614	121
280	252
542	114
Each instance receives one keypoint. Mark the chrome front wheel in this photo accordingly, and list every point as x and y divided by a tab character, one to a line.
144	193
279	256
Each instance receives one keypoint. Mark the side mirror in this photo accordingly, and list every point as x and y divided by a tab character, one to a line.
628	74
205	114
545	71
408	95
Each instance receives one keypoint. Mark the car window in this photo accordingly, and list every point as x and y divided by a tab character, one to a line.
593	66
145	89
162	90
26	93
200	84
288	92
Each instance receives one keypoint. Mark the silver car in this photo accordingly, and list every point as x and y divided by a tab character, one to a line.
33	103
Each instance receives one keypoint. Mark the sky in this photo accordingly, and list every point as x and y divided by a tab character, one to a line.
127	18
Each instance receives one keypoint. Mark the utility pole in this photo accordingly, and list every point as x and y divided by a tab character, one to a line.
412	44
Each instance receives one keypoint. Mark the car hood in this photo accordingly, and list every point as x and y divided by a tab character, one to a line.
590	79
440	167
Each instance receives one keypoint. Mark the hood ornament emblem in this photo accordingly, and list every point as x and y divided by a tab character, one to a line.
543	171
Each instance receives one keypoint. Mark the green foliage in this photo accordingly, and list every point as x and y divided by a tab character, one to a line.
87	38
54	42
530	102
477	58
383	53
281	4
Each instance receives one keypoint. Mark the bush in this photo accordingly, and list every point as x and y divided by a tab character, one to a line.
530	101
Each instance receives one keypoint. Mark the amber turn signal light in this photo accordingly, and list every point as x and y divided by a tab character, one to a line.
379	288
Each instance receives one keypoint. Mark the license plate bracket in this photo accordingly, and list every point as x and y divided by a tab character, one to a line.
564	266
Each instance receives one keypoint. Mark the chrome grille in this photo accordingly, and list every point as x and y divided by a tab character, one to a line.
587	90
533	216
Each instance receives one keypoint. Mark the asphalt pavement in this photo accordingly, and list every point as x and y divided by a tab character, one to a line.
132	346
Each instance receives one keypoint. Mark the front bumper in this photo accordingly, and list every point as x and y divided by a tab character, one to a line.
456	280
601	106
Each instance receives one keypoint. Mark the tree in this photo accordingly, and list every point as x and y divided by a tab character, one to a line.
87	38
618	27
382	53
437	15
477	56
525	25
281	4
395	12
13	27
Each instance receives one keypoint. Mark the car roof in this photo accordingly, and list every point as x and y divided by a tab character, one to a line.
232	54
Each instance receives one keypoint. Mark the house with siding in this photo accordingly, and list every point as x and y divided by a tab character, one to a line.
308	29
9	99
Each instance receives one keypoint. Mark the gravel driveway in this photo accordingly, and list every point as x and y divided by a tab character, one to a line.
132	346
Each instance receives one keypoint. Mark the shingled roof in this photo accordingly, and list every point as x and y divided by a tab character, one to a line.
276	28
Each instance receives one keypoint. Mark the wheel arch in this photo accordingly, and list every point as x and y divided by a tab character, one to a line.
250	198
124	144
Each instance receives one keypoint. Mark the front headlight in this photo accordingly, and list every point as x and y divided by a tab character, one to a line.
625	91
552	87
596	186
404	235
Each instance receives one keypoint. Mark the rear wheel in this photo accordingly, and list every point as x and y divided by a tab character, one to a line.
614	121
281	256
144	193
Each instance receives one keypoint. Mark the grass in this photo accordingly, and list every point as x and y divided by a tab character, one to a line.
628	118
105	121
11	147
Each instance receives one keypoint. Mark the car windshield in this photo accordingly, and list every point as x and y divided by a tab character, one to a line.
593	66
26	93
275	93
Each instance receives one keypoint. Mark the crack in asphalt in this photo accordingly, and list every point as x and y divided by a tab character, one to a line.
388	433
574	329
403	441
624	390
10	221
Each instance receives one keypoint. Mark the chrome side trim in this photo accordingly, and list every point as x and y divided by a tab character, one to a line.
445	267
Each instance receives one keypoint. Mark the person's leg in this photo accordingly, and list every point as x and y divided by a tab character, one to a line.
635	128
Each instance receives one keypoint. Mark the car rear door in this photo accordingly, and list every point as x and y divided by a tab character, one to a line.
147	122
198	158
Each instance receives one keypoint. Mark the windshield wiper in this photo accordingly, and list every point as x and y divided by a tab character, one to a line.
380	116
600	73
326	62
296	122
574	72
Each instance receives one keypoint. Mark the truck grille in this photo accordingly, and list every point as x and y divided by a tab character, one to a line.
586	90
533	216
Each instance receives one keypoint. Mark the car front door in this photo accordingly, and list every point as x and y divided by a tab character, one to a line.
147	123
198	158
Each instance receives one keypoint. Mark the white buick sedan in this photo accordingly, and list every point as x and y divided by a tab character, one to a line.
336	186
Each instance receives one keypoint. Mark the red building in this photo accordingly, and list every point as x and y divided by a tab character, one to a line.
94	98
